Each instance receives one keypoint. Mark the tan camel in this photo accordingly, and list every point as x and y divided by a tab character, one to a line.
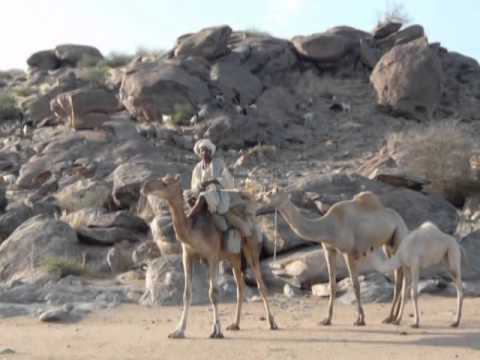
353	228
425	246
202	240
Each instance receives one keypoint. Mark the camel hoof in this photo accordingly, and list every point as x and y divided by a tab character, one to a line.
216	335
216	332
177	334
233	327
396	322
359	322
388	320
326	322
273	326
455	324
414	326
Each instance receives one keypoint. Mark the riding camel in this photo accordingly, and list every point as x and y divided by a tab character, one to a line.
351	227
201	239
425	246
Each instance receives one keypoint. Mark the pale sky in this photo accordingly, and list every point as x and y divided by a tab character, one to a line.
27	26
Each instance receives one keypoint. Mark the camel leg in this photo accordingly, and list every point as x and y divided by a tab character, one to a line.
254	263
179	333
415	274
352	269
397	280
331	258
455	267
237	272
405	287
212	294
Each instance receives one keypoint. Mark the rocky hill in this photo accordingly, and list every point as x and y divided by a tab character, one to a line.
81	132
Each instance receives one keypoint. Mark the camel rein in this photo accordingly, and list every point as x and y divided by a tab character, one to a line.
275	223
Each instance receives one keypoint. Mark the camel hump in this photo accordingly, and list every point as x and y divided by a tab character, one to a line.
368	199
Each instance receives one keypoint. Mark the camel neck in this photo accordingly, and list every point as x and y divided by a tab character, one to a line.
317	229
181	224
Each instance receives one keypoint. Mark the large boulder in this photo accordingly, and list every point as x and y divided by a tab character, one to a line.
369	55
13	218
129	177
44	60
84	193
151	89
408	80
385	29
107	236
322	47
59	154
208	43
233	79
352	35
266	57
84	108
23	254
404	36
39	108
462	78
71	54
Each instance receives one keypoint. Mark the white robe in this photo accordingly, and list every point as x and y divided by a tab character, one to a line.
218	201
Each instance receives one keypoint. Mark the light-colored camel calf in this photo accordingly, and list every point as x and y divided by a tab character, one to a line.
424	247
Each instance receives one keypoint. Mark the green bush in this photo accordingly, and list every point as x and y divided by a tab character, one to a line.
64	267
181	113
8	107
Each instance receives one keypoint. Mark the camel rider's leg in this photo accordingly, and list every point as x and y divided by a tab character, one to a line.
238	223
199	205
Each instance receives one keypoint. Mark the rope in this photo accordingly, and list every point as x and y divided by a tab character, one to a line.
275	235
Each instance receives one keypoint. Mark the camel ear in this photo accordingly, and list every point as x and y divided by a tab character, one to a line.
177	177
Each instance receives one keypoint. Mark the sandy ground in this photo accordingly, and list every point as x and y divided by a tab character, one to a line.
135	332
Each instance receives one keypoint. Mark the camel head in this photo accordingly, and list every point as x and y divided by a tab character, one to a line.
274	198
165	188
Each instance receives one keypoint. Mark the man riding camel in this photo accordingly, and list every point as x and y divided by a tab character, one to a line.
210	183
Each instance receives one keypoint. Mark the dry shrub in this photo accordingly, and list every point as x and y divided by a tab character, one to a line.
394	12
8	106
440	153
64	267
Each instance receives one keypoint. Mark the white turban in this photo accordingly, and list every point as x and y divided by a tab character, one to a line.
204	143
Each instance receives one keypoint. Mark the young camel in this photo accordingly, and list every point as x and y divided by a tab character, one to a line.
353	228
200	239
424	247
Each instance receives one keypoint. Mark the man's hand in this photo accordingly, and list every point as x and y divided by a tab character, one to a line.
204	184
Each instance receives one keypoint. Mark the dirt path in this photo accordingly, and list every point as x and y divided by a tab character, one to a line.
134	332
